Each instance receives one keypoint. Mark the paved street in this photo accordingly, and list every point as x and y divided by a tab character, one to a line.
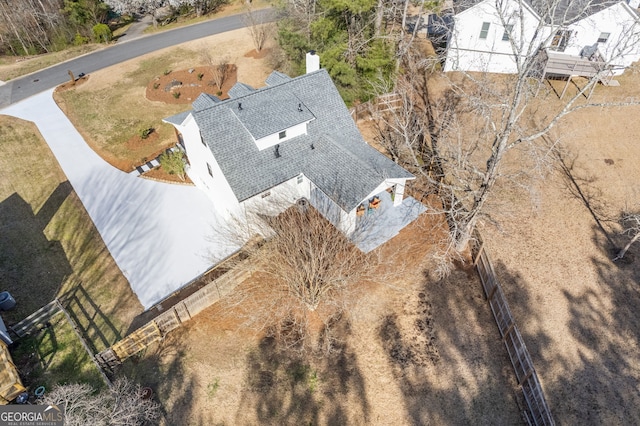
21	88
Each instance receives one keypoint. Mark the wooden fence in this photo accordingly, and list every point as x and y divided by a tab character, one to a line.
43	315
537	411
383	103
171	319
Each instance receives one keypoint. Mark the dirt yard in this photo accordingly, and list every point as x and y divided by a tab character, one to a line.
414	351
577	310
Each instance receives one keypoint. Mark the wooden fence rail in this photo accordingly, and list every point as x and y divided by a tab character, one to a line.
537	411
43	315
37	318
171	319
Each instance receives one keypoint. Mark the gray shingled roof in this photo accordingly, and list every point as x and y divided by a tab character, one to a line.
568	11
178	118
264	115
205	100
240	89
276	78
554	12
340	163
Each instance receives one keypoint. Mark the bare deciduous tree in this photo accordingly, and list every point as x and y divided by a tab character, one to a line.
463	134
124	404
631	226
258	26
305	271
219	65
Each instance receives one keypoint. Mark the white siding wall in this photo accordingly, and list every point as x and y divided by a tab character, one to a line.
274	139
623	46
280	197
468	52
199	155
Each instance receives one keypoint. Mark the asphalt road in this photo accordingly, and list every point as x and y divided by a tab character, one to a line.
21	88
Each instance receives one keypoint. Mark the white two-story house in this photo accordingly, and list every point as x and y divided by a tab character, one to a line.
492	35
292	139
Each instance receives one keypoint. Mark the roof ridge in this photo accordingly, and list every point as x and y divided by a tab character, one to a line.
264	89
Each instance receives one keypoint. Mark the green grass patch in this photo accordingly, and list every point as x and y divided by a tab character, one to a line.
54	355
12	67
50	247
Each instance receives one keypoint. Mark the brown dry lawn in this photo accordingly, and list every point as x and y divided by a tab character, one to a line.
576	309
414	350
114	105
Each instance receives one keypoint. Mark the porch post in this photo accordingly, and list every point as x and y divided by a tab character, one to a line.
398	193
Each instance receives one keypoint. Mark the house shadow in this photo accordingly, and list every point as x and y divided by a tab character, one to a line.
32	267
284	386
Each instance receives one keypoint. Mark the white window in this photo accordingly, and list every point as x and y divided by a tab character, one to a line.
485	30
210	170
282	134
603	37
507	32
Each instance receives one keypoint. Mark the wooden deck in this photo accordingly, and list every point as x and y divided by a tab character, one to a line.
560	64
564	66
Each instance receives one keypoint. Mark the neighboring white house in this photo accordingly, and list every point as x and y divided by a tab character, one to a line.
292	139
489	35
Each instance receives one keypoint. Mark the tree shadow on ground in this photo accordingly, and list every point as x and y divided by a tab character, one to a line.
600	382
602	387
530	322
161	367
32	267
446	353
285	386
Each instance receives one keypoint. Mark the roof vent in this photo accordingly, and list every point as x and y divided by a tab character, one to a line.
300	107
278	151
239	106
312	146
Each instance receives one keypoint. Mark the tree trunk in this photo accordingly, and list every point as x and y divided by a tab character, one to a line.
622	252
379	16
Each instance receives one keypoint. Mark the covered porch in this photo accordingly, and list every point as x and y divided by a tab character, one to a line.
378	220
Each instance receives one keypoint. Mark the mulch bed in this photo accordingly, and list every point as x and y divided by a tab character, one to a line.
184	86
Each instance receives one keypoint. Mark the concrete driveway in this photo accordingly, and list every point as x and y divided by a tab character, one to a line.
157	233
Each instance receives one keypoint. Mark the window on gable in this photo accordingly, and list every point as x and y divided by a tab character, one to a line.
210	170
560	40
485	30
300	179
507	32
282	134
266	194
202	139
603	37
